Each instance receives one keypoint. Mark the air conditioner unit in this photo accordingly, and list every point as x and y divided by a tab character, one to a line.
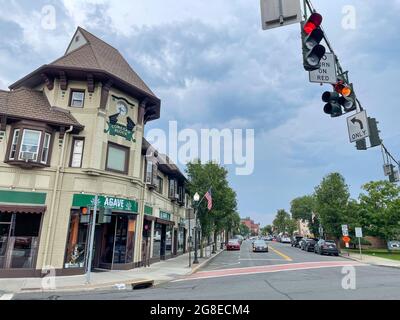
28	156
176	195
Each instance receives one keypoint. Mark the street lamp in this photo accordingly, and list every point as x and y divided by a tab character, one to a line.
196	199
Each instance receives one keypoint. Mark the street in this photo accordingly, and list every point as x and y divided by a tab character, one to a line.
284	273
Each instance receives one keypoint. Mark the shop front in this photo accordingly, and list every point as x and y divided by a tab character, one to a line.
181	236
163	237
21	215
146	235
114	239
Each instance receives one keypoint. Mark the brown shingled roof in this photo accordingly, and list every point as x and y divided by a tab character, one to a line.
98	55
31	104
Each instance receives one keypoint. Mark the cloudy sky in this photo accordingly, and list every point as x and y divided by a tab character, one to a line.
213	67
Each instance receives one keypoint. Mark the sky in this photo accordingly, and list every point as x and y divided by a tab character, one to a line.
213	66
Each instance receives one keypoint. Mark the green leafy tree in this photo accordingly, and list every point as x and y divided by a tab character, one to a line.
331	203
281	220
303	208
244	230
266	230
291	226
223	215
379	210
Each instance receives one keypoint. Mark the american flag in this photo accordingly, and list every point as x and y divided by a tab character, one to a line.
208	196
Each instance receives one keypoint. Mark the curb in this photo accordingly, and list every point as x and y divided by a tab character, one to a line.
204	263
93	287
369	263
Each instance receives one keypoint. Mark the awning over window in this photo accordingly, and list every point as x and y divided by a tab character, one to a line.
162	221
22	209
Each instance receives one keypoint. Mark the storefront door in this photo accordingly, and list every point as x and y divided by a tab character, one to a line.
4	239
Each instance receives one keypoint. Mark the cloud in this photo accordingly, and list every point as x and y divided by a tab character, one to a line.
213	67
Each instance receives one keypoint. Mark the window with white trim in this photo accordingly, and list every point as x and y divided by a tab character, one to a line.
30	145
14	144
46	147
77	152
149	172
77	99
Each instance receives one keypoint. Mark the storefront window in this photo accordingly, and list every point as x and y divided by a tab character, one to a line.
76	249
168	241
181	240
113	243
158	231
19	241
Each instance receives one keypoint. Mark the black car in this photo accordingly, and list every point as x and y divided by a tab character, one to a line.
303	242
295	241
310	244
260	246
326	247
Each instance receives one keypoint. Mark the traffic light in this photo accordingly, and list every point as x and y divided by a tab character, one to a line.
374	133
361	144
332	106
312	35
348	98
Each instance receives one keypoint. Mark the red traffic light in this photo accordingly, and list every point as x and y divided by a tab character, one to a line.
313	22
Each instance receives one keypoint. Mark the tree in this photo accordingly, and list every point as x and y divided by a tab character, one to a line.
331	203
244	230
379	210
291	226
303	208
266	230
223	215
280	221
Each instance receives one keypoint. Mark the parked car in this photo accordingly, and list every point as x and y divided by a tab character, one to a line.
394	245
310	244
302	242
268	238
295	241
285	239
326	247
260	246
233	244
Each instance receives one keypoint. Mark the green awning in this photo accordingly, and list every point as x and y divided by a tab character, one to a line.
18	197
117	204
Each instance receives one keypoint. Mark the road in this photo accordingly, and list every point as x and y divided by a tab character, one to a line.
282	273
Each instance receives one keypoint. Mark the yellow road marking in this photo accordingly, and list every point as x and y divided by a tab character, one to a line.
284	256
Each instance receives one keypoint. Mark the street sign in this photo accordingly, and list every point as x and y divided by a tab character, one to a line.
358	126
346	239
279	13
345	230
359	233
327	72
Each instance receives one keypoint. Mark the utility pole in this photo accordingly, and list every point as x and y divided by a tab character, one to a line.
91	240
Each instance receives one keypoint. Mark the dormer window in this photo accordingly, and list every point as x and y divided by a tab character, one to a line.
77	98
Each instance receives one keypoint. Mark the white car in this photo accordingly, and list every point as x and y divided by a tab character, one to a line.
285	240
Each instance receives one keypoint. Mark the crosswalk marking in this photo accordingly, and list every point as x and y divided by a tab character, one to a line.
5	297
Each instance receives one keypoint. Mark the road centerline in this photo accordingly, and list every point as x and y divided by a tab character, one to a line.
284	256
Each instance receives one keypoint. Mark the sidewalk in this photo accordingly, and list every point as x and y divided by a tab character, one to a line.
376	261
155	274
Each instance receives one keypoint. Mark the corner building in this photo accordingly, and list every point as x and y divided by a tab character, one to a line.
73	129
